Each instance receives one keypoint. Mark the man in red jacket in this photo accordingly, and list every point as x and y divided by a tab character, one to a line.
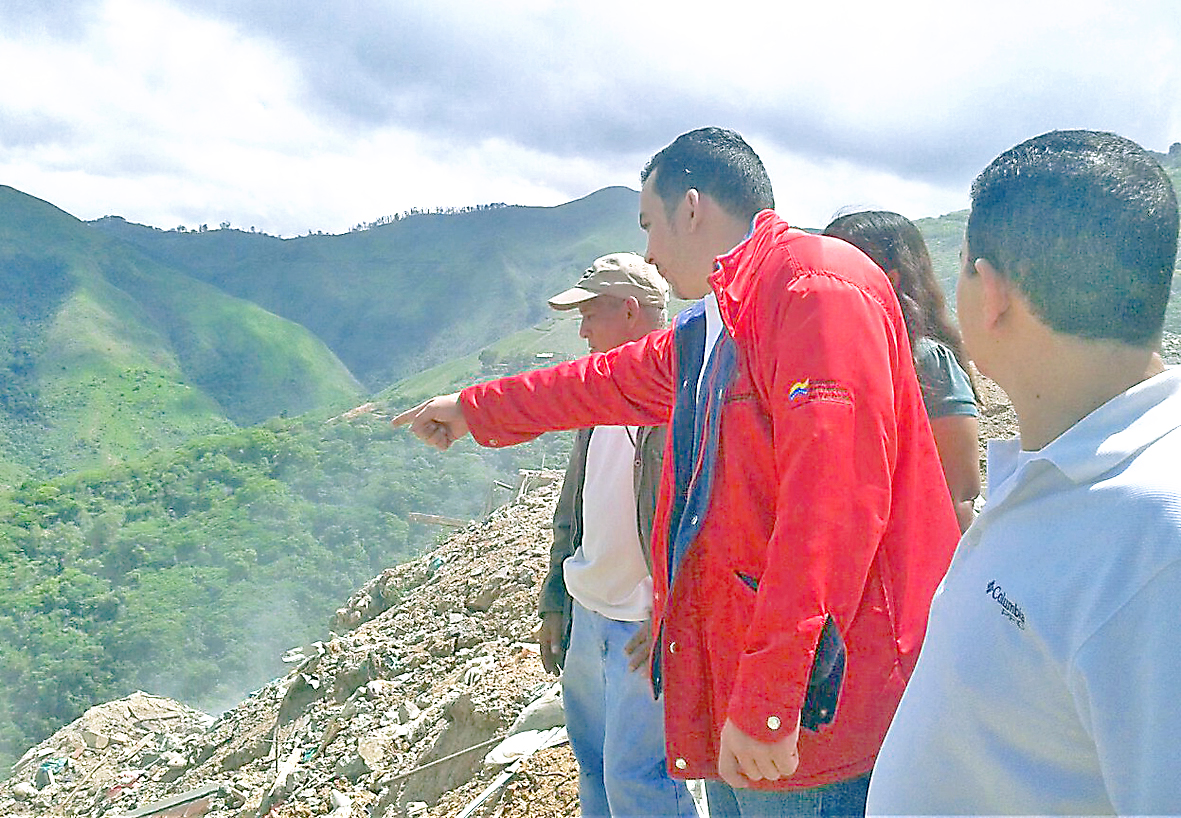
803	522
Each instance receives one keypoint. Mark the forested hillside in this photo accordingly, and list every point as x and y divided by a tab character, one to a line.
106	355
413	292
189	573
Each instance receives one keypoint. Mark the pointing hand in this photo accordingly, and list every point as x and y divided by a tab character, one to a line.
437	422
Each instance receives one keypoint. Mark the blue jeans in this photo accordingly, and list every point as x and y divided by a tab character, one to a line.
841	798
616	727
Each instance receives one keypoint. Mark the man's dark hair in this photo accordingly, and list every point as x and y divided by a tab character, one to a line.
715	162
1085	224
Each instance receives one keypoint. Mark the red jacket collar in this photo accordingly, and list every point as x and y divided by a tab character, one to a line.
736	273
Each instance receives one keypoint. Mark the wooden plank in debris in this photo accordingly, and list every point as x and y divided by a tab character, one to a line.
506	775
191	803
437	519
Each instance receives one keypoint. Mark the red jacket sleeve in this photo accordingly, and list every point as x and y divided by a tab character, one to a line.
828	383
632	385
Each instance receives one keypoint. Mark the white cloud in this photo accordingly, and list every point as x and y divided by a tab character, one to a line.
810	194
304	115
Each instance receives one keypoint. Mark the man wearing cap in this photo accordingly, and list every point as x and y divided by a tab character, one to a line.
597	598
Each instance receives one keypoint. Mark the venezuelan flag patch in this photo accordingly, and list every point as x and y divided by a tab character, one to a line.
812	391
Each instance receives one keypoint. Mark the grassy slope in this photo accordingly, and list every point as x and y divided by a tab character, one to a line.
85	347
106	355
254	364
557	336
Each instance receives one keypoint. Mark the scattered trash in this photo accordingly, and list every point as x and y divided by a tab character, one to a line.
543	711
536	740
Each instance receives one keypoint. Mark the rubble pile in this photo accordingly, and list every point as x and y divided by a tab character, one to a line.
113	747
426	670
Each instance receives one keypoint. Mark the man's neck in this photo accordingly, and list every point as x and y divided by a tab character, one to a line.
715	233
1069	380
726	234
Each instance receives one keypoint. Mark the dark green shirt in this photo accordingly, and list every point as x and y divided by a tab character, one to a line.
947	390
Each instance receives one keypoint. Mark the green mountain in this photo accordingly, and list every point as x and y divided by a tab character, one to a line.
106	355
398	298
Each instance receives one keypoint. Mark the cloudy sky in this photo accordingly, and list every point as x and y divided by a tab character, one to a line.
291	116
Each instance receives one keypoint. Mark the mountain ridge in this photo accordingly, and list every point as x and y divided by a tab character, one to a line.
510	258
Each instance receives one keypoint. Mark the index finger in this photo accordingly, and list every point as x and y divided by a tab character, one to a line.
408	416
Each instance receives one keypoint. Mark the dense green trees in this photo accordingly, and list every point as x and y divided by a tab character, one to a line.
189	574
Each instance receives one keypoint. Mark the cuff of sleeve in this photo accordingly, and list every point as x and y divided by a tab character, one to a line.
468	404
772	683
553	594
764	704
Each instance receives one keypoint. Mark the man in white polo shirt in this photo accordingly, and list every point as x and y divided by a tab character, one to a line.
1048	681
596	601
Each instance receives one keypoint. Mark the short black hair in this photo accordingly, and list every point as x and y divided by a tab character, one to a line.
716	162
1085	224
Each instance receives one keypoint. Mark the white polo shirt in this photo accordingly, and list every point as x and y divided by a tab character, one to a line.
1050	678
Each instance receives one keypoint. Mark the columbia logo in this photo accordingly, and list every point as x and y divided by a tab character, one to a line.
1008	607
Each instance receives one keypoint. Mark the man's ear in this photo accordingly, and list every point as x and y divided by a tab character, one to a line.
692	205
996	290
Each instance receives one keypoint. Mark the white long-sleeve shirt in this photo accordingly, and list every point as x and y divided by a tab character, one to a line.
608	573
1050	678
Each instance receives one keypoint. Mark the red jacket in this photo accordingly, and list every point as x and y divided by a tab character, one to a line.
823	497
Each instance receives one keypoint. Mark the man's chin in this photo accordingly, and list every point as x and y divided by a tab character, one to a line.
692	293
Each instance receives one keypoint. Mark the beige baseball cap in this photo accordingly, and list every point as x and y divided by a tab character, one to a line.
618	274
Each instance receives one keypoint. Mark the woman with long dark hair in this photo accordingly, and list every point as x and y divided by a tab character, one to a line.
895	245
